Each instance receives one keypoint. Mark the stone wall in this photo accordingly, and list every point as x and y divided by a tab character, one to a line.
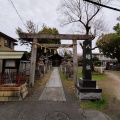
12	93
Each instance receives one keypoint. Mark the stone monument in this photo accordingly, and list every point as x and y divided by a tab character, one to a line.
87	89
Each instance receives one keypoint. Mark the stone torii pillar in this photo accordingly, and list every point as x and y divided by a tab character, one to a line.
75	63
33	63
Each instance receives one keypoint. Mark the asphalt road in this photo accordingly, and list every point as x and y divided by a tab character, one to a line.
40	110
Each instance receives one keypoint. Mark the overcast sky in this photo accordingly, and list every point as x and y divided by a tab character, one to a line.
42	11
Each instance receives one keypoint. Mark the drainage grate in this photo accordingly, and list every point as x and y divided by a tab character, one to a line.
57	116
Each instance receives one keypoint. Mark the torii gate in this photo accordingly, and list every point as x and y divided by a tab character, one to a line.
54	36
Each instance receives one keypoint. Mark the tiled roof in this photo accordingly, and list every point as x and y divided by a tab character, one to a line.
7	37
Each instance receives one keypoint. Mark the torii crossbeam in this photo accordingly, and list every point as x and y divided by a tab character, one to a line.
57	36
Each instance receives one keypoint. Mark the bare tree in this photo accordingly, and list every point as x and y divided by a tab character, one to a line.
31	28
85	14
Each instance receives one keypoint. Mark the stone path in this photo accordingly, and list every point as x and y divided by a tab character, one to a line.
53	90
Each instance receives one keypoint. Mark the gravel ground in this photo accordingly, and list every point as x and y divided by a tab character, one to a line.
111	87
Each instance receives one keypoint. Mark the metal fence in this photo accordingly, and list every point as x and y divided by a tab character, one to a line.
13	79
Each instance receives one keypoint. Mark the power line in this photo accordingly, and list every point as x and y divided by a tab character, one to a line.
103	5
17	12
115	5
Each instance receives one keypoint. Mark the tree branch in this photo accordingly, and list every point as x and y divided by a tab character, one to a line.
81	45
95	47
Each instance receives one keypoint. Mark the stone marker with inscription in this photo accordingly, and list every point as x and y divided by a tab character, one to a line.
87	89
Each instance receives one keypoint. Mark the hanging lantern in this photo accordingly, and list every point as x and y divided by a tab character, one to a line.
50	50
41	47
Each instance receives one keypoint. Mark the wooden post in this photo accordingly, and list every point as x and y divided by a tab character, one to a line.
33	63
75	63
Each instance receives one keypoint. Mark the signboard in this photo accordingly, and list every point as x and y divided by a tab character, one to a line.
10	63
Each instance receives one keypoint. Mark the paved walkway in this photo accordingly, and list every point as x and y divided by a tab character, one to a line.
53	90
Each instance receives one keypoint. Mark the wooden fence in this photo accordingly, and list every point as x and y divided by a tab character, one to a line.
12	79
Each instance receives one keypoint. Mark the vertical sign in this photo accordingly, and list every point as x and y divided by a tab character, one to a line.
87	61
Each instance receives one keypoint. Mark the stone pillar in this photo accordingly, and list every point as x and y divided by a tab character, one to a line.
33	63
87	61
46	65
75	63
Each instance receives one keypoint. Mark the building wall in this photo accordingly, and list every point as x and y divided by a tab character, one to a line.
103	59
3	47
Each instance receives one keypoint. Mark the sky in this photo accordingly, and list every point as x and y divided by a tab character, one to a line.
43	12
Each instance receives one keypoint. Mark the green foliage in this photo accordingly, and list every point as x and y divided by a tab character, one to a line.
117	28
98	77
109	44
31	28
96	105
79	72
95	59
47	30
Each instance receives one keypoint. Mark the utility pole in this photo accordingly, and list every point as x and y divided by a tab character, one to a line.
96	3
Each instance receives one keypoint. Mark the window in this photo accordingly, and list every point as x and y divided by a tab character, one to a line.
7	43
10	63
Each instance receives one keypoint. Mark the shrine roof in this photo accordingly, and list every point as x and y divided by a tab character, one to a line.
55	56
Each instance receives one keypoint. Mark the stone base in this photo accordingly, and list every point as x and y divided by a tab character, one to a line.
89	96
12	93
88	93
87	83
